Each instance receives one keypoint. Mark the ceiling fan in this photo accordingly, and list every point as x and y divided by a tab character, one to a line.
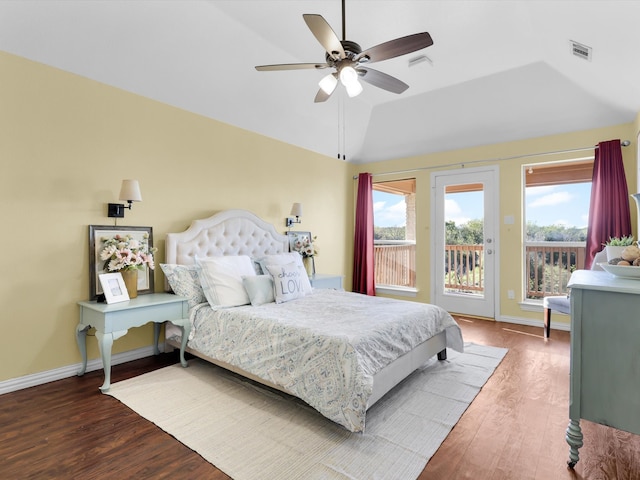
349	60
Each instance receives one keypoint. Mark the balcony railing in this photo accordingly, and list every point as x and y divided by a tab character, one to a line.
395	263
464	268
548	266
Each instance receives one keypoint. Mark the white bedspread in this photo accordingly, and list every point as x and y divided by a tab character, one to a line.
323	348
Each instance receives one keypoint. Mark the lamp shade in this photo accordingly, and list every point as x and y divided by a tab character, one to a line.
349	78
328	83
348	75
130	191
296	210
354	89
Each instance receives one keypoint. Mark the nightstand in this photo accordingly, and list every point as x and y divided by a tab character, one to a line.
320	280
113	321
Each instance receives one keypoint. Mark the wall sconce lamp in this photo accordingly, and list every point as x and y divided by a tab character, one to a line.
130	191
296	211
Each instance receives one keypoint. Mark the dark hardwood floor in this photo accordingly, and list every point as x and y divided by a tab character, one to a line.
514	429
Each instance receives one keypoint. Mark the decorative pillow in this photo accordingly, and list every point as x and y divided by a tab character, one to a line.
184	282
287	281
256	266
277	259
259	288
221	279
283	259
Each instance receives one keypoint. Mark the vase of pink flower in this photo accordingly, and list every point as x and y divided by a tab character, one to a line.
127	255
308	249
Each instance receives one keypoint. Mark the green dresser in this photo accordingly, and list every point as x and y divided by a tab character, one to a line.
605	354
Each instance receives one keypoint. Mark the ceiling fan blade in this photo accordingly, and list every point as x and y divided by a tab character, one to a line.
291	66
396	48
321	96
324	34
381	80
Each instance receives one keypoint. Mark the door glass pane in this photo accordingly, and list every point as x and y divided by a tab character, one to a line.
464	240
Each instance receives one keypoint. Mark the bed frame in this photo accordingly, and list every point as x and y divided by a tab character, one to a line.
240	232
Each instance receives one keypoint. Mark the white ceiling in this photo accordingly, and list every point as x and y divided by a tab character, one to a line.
500	71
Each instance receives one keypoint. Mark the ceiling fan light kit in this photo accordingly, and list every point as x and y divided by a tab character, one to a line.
349	60
353	89
349	78
329	83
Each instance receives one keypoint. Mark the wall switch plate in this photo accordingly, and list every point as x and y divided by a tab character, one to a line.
511	295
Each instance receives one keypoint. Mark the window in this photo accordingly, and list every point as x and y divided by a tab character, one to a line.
394	220
557	197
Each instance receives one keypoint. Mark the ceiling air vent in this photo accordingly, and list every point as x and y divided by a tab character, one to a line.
580	50
419	59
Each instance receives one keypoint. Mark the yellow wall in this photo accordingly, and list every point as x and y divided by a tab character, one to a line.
67	142
511	198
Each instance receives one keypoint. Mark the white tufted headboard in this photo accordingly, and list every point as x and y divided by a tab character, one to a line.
231	232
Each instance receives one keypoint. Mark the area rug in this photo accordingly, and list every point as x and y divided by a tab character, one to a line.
251	433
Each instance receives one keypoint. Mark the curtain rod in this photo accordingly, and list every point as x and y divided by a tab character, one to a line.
624	143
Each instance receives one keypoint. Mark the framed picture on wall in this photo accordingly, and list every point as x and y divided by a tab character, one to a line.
298	236
98	235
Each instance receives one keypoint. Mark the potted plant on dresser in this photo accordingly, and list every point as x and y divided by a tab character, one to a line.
615	245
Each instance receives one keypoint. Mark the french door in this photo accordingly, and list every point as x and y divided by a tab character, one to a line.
464	240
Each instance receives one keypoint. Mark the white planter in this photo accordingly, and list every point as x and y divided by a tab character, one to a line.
614	251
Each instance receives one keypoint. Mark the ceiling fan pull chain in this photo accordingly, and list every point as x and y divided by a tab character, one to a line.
344	129
339	130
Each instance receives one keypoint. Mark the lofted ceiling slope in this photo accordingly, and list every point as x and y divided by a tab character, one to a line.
497	71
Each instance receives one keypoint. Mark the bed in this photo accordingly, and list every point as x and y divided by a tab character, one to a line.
338	351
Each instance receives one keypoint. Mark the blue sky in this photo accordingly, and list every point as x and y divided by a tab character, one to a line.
554	205
559	205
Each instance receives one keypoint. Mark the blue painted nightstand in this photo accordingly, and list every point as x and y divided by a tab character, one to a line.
320	280
112	321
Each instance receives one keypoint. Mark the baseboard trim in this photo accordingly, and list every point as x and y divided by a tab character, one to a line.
534	323
40	378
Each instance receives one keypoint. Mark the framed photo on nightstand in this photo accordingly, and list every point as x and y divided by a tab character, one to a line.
113	287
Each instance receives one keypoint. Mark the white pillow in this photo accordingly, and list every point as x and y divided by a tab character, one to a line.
283	259
259	288
221	279
278	259
184	282
287	281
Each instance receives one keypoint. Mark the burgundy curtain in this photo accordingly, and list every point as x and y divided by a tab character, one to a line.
363	275
609	208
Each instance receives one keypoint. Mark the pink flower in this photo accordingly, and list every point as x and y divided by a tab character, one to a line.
124	251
